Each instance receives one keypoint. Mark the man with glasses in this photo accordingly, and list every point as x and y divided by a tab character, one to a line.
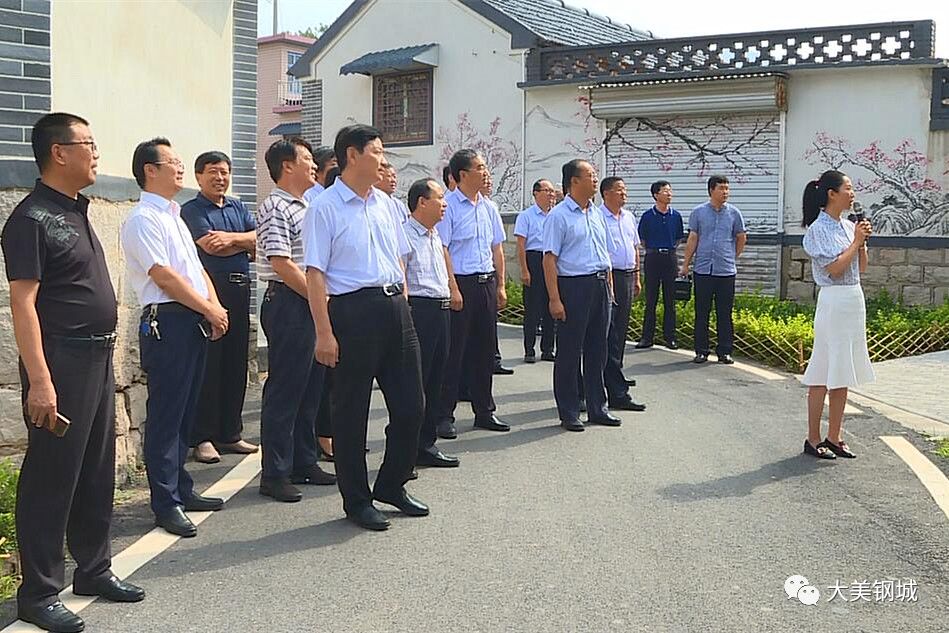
180	312
529	229
64	317
225	234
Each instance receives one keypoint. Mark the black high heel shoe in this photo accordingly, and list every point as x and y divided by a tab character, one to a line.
840	450
820	451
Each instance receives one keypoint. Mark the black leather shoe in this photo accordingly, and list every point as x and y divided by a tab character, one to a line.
446	430
530	359
280	490
314	476
700	358
370	518
501	370
572	425
176	522
110	588
492	423
52	617
726	359
605	420
630	382
583	405
672	345
197	503
627	405
643	345
548	356
436	458
402	500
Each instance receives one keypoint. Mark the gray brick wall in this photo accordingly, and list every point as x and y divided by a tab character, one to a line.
312	123
24	73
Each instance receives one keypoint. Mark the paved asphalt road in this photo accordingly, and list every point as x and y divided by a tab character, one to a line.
687	518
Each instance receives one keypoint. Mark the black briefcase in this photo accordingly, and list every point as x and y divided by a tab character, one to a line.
683	288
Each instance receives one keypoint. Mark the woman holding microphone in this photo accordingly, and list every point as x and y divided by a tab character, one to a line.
838	251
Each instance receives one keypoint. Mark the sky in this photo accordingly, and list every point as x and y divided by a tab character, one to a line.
684	18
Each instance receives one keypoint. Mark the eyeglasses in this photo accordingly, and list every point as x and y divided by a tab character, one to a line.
174	163
92	144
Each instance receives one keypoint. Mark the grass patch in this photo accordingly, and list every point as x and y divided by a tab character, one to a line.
942	448
9	579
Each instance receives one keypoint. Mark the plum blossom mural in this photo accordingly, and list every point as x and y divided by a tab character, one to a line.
502	155
906	199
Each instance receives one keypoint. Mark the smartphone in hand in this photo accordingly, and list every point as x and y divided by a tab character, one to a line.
62	425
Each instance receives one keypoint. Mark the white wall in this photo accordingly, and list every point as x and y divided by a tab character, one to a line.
848	112
477	76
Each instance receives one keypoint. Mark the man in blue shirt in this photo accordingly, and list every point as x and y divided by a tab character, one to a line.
529	230
624	258
225	233
353	250
324	161
577	274
660	231
716	238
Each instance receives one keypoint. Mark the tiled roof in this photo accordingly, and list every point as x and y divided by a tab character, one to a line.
560	23
396	59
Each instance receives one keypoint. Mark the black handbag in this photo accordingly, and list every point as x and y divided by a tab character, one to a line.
683	288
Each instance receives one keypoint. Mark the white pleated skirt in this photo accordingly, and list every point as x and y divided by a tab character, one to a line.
840	357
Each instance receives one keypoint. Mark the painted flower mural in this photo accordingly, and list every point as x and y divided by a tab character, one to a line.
907	200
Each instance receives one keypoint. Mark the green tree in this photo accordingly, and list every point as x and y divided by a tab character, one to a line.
314	32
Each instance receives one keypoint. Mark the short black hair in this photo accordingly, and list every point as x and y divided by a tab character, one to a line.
421	188
607	183
655	187
570	171
322	156
52	129
146	153
210	158
460	161
446	172
331	177
279	152
715	181
358	136
539	185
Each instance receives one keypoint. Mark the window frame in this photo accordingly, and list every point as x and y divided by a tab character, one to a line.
429	138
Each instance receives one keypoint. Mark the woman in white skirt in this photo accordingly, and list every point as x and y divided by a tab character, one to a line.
838	251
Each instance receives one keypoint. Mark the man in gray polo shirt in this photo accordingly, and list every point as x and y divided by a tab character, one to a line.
716	238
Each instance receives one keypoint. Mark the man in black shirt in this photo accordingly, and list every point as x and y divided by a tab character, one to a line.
64	316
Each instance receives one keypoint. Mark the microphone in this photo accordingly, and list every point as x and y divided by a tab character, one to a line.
858	215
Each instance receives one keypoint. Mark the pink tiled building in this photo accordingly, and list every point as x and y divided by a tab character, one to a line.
279	96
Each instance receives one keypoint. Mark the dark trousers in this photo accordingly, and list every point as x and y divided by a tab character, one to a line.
174	364
722	291
324	425
66	483
225	372
376	339
536	307
582	335
660	269
433	325
624	286
473	345
291	395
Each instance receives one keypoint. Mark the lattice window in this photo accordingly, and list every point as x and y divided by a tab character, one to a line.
939	113
402	107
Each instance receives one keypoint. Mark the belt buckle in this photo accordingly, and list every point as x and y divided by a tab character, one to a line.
445	304
601	274
483	279
236	278
391	290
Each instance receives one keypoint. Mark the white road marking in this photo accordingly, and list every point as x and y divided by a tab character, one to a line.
132	558
929	475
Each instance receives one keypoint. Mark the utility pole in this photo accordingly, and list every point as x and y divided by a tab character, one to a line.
276	18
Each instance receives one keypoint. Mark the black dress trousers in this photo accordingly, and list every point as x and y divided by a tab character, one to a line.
624	287
225	372
433	324
722	291
473	344
536	307
66	483
291	395
660	270
377	340
583	335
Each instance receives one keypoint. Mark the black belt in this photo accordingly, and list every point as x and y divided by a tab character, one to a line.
89	340
482	278
235	278
443	304
624	271
660	250
600	274
170	306
389	290
533	251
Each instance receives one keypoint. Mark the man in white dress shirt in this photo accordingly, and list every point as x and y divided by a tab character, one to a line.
180	311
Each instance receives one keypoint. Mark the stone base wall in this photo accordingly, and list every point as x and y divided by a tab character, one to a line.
914	275
131	393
